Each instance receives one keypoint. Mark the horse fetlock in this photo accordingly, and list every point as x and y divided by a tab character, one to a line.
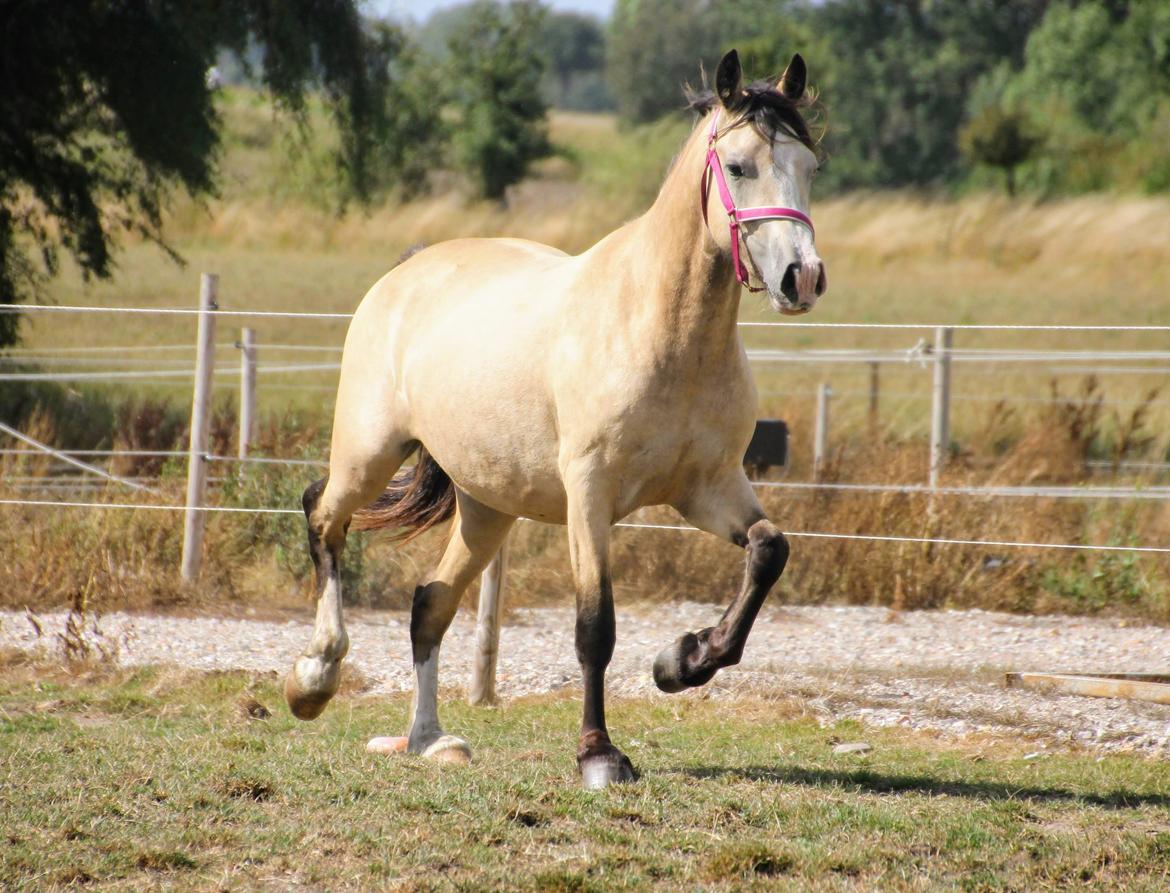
601	764
687	663
330	647
312	683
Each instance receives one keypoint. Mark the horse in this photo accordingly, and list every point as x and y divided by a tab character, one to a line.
574	390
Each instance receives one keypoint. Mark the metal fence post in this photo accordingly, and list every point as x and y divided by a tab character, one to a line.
940	412
487	630
821	431
247	391
193	521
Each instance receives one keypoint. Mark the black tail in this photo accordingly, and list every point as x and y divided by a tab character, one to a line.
418	499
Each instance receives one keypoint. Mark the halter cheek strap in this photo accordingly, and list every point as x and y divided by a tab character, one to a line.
735	216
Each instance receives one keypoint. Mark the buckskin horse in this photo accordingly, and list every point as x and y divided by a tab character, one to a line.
573	390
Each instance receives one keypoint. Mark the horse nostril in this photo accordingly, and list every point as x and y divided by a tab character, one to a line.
822	281
788	283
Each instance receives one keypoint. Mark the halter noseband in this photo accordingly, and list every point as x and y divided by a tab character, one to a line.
737	215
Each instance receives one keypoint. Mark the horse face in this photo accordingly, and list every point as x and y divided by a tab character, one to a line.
782	252
775	172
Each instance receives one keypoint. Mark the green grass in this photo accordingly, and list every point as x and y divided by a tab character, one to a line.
153	778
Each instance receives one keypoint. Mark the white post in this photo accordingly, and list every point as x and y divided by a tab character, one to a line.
821	431
247	391
487	630
940	412
200	424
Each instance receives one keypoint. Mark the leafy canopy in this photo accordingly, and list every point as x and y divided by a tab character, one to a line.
496	70
105	111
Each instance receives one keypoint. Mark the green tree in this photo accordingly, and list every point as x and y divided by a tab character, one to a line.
105	111
574	45
897	79
496	68
413	136
1097	74
655	46
1002	138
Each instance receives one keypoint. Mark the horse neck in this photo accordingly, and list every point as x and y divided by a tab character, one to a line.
690	284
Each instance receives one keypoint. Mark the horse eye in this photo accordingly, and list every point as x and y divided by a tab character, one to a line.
735	170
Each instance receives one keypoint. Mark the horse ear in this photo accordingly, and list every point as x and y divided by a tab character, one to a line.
792	82
728	80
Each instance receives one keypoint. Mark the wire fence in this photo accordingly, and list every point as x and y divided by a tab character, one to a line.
632	525
920	353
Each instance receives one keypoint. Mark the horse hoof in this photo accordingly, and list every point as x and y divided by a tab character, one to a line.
675	667
386	745
310	685
448	749
601	770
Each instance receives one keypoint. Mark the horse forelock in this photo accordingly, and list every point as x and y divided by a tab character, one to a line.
765	108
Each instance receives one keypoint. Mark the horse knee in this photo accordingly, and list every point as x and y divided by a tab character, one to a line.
767	552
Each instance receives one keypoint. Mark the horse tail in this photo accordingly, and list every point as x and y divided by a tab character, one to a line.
416	500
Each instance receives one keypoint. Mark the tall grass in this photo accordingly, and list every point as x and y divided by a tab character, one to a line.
128	559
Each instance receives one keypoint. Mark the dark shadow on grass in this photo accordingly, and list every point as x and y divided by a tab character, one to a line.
867	781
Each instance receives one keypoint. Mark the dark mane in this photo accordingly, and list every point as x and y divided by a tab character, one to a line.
768	110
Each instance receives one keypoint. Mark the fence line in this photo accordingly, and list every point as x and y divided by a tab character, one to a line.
186	372
1004	491
289	314
62	457
924	539
976	398
626	524
1157	493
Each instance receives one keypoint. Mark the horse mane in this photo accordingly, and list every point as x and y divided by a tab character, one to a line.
768	110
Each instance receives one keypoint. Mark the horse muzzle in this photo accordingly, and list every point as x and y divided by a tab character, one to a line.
801	286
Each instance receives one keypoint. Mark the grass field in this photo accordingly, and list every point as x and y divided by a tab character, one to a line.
157	779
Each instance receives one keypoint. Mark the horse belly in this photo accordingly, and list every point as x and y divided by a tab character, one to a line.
494	433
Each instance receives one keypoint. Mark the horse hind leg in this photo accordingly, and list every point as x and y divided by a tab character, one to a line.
329	505
476	536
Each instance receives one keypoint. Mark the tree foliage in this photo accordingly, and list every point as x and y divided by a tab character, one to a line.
495	73
1002	138
105	112
574	45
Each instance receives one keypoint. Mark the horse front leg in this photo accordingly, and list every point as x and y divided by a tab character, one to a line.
732	512
598	760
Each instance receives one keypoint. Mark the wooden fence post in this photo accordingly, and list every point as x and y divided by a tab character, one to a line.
194	518
940	411
487	630
821	431
247	392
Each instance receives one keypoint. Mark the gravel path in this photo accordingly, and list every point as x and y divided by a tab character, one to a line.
939	670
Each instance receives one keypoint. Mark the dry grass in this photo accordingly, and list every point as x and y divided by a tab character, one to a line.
103	560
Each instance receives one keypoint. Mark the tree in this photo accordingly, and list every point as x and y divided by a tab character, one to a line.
897	80
1000	137
496	69
105	111
413	139
574	45
655	46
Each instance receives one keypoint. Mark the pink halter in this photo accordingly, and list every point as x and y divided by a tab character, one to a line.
736	215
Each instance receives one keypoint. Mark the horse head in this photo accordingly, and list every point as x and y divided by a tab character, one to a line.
761	161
